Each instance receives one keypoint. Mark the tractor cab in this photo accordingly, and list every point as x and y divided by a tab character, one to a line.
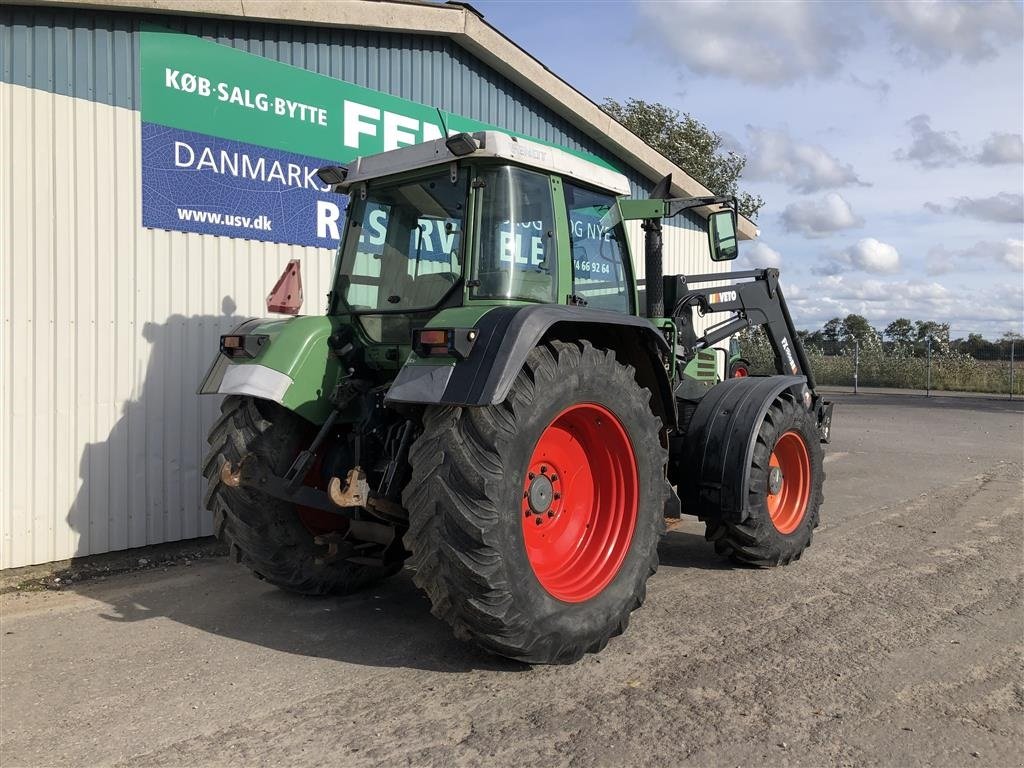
503	220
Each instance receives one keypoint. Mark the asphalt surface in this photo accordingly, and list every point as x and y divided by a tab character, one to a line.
896	640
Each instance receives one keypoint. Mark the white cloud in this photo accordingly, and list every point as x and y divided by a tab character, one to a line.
867	255
985	255
762	43
1003	207
818	218
967	310
841	287
931	33
774	155
930	148
758	256
781	43
1002	148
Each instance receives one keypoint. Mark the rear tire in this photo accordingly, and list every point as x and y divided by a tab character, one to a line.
780	525
469	510
264	533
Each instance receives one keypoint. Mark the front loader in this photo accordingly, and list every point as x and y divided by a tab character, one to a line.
486	400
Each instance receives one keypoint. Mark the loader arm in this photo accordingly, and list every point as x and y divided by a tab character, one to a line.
754	297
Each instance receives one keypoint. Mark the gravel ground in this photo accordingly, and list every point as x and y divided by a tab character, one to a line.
897	640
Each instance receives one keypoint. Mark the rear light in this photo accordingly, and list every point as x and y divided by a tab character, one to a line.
433	338
242	345
444	342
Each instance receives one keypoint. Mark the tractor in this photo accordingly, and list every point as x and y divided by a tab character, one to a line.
486	400
739	366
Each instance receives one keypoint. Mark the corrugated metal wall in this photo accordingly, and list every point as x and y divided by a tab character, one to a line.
108	326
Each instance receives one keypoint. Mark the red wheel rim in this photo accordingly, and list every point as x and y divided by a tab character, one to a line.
740	373
579	505
789	482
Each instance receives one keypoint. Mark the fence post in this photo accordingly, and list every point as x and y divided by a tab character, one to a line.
856	364
1012	345
928	386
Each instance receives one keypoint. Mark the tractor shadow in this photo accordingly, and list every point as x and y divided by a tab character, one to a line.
141	483
688	549
389	625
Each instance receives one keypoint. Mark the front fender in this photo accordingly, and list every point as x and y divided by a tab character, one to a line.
720	440
293	368
506	336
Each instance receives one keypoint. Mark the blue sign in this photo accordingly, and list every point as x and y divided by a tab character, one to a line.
199	183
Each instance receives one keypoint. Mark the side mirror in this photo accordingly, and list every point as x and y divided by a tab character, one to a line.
722	239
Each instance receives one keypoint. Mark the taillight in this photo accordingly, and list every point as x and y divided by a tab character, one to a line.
444	342
242	344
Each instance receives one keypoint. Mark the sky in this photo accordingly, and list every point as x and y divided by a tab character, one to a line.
885	137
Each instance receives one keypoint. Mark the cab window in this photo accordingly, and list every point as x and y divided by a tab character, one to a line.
516	254
599	254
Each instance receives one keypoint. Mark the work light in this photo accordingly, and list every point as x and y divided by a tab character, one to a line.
332	174
462	144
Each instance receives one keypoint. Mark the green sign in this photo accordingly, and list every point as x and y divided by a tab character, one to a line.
196	85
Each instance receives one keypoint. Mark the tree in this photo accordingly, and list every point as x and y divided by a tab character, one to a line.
690	144
929	328
857	328
833	330
900	330
1011	340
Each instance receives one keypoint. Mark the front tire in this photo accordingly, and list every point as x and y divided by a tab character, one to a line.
534	524
784	491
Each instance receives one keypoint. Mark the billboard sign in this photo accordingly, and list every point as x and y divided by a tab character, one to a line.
231	141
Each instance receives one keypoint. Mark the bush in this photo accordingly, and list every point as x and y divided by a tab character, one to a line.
897	367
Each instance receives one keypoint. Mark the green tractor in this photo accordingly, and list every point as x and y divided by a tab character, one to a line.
485	400
738	365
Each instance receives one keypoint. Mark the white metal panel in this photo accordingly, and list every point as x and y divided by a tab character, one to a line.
107	329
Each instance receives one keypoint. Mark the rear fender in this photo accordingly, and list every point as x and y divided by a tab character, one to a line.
292	367
721	437
505	337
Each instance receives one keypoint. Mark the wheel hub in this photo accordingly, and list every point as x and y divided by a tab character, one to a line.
774	481
540	494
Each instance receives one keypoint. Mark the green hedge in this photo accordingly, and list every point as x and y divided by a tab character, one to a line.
950	371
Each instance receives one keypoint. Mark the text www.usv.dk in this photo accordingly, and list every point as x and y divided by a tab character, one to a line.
261	222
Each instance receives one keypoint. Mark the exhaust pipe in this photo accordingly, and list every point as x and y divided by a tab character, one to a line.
653	262
654	285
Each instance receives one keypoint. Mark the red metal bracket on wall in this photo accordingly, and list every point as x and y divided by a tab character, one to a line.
286	297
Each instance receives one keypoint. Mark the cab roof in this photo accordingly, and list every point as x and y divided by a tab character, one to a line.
490	145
